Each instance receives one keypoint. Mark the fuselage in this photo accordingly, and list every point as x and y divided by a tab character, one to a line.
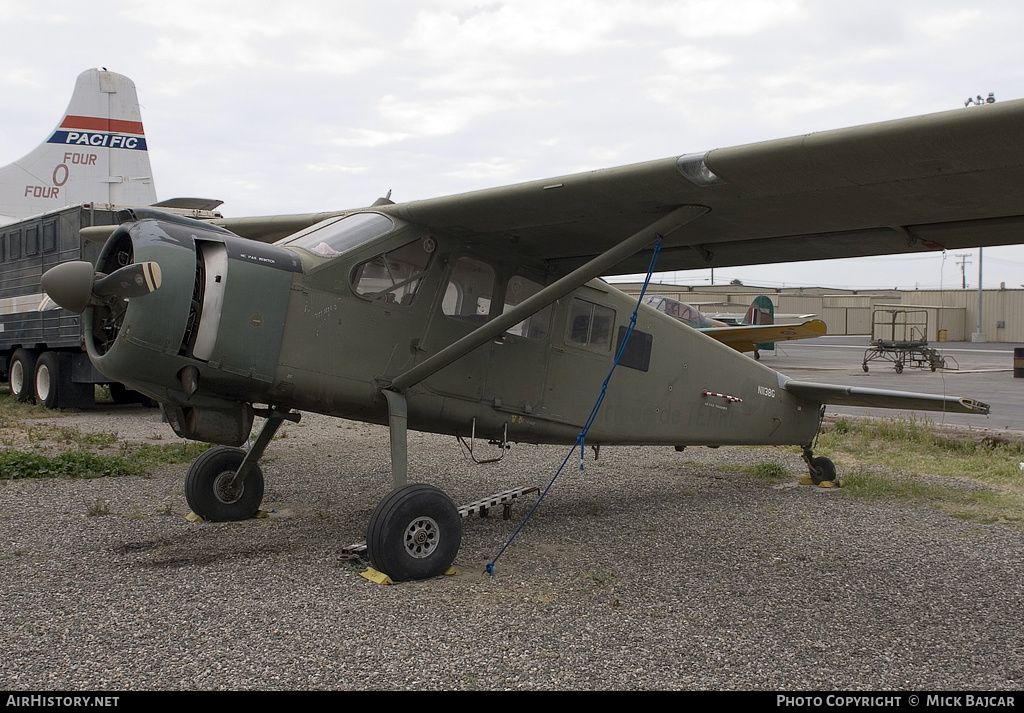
324	320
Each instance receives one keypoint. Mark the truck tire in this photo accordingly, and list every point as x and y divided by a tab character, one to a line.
53	385
21	373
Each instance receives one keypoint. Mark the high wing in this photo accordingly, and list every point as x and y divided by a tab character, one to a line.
746	338
942	181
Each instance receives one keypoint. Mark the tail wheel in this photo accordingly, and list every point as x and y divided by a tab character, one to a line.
414	533
210	492
822	469
21	373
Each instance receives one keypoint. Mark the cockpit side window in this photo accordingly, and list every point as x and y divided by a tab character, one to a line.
337	235
395	276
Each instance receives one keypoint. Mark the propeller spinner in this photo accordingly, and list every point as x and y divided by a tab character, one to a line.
74	285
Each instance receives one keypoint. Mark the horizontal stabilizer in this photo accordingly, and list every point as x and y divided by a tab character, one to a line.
882	398
190	203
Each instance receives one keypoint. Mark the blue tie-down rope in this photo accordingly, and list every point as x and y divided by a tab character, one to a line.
581	438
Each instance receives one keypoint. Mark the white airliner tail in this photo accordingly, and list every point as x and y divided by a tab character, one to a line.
96	154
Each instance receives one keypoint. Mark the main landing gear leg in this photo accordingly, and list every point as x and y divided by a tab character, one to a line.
823	471
415	532
226	484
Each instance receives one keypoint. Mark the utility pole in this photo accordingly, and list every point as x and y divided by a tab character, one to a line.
979	336
963	262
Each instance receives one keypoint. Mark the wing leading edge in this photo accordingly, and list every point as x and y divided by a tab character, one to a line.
949	180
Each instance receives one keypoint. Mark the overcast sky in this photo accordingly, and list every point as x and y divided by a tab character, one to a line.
281	107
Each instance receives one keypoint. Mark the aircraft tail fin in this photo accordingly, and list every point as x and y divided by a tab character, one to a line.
96	154
761	311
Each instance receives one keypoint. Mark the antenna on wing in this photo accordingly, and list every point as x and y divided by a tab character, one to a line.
386	200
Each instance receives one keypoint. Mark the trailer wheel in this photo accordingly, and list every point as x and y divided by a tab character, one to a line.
23	368
53	386
47	380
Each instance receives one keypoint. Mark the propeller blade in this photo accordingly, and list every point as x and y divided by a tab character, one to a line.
73	285
130	281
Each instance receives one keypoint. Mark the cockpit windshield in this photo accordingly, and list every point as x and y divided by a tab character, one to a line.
337	235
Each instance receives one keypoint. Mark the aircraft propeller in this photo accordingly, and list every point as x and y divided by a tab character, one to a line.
74	285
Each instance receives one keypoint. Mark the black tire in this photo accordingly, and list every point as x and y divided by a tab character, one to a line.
21	373
864	366
899	368
52	384
120	394
47	380
206	486
822	469
414	533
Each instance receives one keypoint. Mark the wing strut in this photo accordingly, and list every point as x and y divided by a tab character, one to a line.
528	307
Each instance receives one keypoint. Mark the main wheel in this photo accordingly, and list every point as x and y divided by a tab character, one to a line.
899	367
822	469
414	533
23	369
208	488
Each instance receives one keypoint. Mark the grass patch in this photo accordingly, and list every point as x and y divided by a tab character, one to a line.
909	459
13	412
73	464
914	445
97	454
770	471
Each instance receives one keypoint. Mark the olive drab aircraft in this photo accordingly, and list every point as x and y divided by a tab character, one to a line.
484	312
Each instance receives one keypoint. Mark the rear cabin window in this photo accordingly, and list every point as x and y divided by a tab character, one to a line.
394	276
520	288
590	325
468	293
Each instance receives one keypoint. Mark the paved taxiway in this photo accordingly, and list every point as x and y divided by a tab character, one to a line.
985	373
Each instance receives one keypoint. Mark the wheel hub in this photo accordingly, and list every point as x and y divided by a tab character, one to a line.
43	382
421	537
225	491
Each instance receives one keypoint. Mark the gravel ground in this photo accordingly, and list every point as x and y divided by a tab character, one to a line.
650	569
